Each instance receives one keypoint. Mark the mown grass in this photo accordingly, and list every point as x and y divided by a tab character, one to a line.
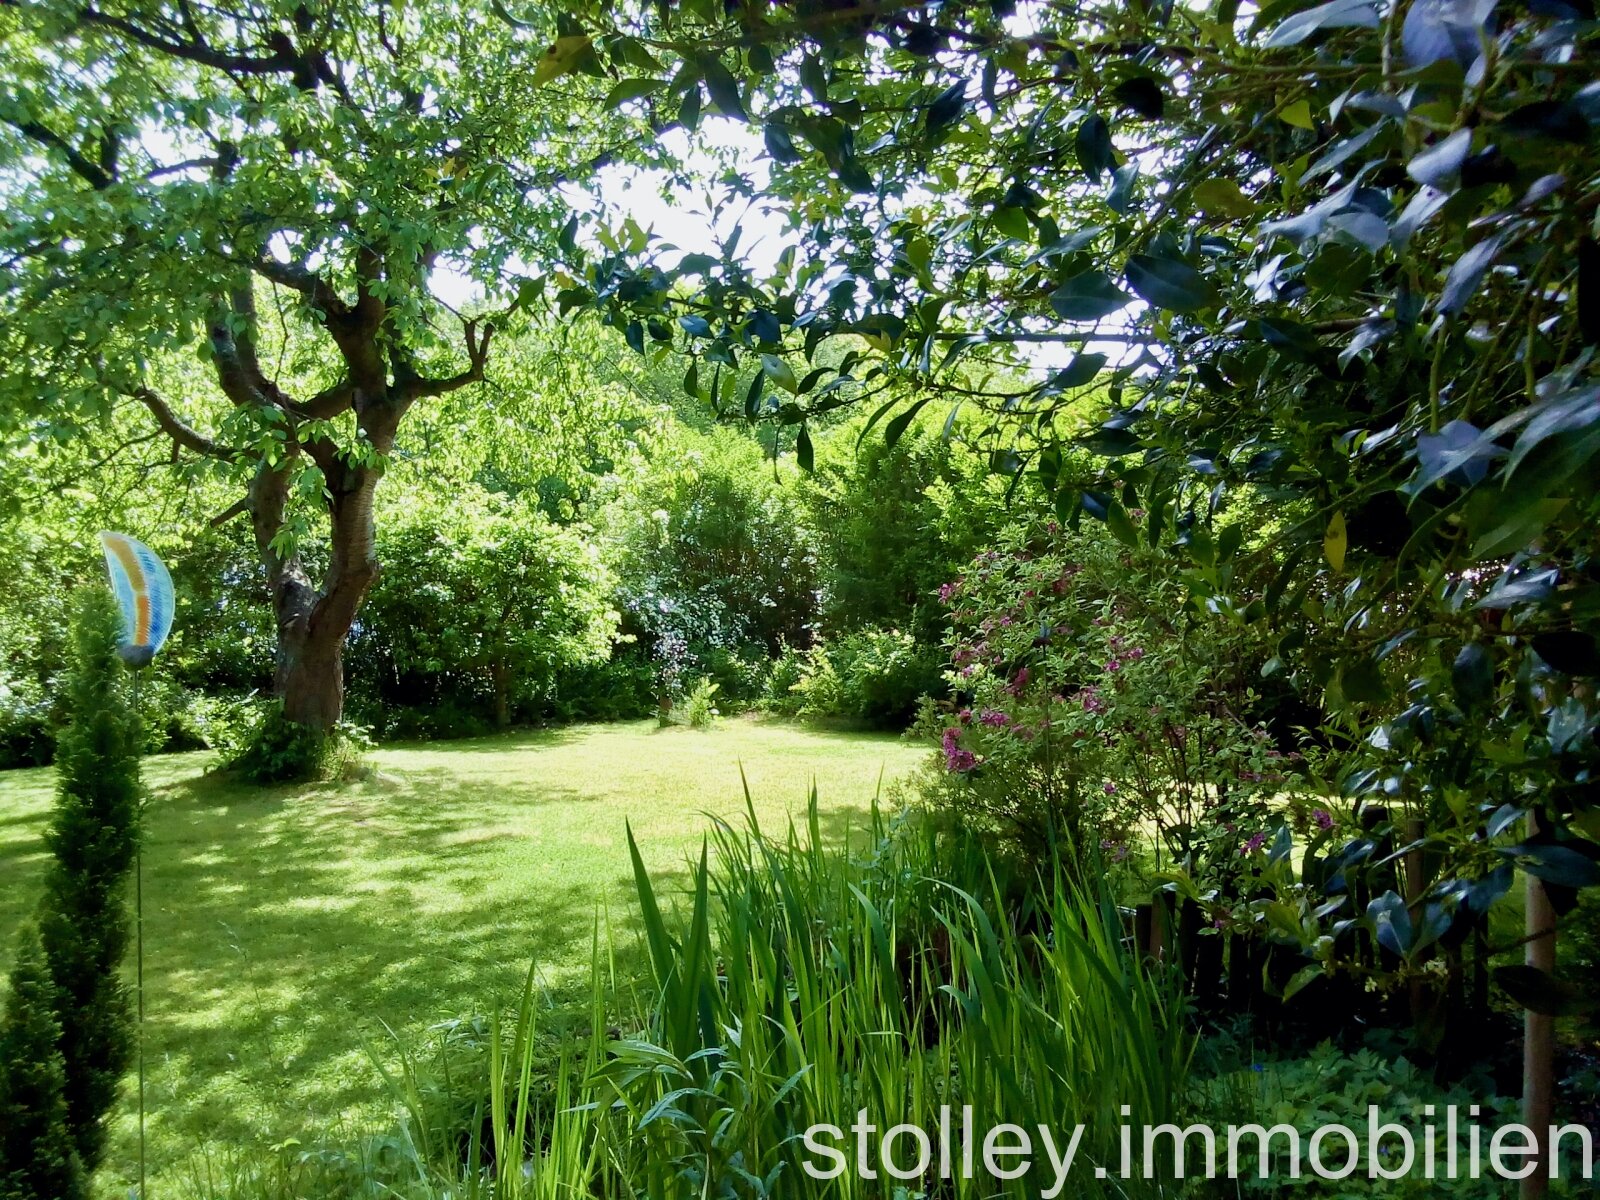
289	929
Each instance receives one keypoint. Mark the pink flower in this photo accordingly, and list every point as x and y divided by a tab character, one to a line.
1117	850
965	716
1136	653
1020	681
1111	789
1322	817
995	718
1092	703
1113	666
1253	843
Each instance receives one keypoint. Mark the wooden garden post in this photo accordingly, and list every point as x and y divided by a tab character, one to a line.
1538	1038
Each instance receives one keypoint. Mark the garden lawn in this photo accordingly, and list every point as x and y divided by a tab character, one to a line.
286	927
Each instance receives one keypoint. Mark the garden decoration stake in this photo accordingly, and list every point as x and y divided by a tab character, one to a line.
143	589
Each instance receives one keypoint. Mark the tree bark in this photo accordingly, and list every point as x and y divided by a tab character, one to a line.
378	384
313	622
502	694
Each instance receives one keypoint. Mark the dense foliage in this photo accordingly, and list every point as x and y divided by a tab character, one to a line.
481	604
1193	409
38	1160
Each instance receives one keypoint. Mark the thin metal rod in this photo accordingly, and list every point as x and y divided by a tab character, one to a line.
138	938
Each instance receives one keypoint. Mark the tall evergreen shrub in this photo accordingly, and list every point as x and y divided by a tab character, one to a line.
84	922
38	1160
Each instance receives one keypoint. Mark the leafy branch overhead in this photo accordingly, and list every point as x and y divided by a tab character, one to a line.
1340	258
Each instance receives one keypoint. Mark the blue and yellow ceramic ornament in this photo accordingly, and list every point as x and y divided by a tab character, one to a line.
144	593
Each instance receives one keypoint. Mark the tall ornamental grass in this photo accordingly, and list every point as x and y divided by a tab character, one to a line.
792	985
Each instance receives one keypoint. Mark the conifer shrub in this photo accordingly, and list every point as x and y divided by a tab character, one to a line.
38	1160
84	923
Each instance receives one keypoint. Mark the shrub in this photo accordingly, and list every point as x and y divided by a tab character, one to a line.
1093	703
619	689
93	836
38	1160
884	673
700	705
784	677
874	676
712	557
483	602
282	751
893	522
1330	1086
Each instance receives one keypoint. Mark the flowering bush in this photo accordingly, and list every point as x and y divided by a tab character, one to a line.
1095	707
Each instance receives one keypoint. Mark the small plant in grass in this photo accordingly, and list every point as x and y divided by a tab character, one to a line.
700	705
38	1160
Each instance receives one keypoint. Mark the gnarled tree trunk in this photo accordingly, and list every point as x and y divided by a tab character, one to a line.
378	385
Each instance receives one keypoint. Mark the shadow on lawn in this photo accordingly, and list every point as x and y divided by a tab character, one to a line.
289	929
285	933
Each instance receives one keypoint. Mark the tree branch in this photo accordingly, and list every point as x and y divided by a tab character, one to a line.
308	283
81	166
182	434
284	59
477	356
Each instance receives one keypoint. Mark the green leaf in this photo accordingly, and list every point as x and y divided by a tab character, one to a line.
1337	14
1440	164
1013	223
1088	296
1221	198
1169	283
1392	921
803	452
1142	94
1121	524
1540	992
1298	114
632	89
946	108
1081	370
1472	676
1466	273
1302	978
724	89
780	372
1362	682
779	143
1560	865
689	110
1093	144
895	429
